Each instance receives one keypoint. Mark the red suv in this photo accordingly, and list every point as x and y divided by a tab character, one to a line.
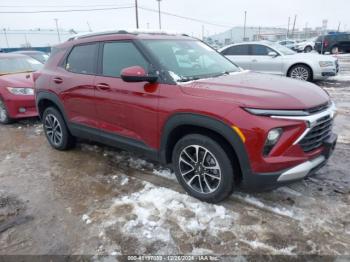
174	99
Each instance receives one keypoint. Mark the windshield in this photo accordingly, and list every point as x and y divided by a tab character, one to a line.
282	49
12	65
188	59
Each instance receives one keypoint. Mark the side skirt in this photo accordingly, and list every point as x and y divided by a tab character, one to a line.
114	140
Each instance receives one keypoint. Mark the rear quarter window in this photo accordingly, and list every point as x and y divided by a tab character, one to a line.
237	50
82	59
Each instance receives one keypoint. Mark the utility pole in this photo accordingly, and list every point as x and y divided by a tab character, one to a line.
245	24
339	26
58	32
88	24
159	15
202	32
288	27
259	33
7	41
306	25
295	19
136	14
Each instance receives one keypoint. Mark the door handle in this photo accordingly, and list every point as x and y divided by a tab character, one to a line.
254	60
58	80
103	87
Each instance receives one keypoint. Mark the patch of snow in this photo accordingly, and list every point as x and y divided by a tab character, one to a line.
153	208
256	202
124	181
86	219
344	139
174	76
201	252
340	77
284	251
166	173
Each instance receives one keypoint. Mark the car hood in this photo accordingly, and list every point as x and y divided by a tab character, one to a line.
17	80
258	91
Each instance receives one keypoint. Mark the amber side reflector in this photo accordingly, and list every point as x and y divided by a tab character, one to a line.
239	132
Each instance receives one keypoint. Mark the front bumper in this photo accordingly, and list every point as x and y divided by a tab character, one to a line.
21	106
268	181
326	72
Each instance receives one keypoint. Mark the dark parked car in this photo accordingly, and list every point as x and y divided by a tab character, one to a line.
178	101
37	55
333	43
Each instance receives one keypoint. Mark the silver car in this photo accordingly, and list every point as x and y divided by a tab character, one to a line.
273	58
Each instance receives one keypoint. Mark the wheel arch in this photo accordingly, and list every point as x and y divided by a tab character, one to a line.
181	124
304	64
45	99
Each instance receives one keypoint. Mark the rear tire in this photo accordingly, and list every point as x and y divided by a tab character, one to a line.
56	130
308	49
334	50
301	72
203	168
4	115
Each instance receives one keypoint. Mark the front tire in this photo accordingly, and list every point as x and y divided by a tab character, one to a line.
56	130
301	72
4	115
203	168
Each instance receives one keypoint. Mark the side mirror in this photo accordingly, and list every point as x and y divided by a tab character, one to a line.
272	54
136	74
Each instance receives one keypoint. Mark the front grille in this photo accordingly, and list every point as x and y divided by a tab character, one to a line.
318	134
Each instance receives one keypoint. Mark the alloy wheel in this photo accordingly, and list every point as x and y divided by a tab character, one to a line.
300	72
200	169
53	129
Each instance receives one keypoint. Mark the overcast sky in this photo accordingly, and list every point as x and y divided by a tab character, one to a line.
223	12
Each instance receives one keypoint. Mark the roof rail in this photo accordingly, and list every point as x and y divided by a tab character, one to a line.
112	32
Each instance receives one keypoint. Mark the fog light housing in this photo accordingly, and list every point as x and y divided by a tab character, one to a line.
272	138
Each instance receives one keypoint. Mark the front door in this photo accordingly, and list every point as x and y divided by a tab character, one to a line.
262	62
125	109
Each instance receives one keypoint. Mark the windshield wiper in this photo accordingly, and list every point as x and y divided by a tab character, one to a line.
187	79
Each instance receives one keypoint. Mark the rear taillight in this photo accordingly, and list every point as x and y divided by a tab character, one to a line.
325	43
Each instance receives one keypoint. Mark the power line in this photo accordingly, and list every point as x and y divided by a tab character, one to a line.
184	17
66	10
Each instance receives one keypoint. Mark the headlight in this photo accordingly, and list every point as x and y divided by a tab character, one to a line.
326	63
21	90
268	112
272	138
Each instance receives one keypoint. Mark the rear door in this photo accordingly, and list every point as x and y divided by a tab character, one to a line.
125	109
344	42
262	62
239	54
75	83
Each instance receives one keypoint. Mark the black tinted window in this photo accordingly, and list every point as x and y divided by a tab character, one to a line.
344	37
237	50
119	55
260	50
82	59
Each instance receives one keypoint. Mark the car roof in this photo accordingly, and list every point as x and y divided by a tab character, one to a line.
262	42
28	52
110	35
11	55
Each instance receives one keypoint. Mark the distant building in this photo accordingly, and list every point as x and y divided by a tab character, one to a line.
29	38
236	34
